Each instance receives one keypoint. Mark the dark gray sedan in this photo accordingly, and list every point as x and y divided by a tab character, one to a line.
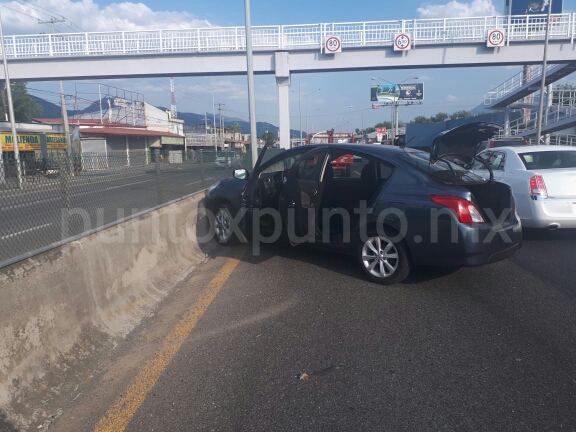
390	208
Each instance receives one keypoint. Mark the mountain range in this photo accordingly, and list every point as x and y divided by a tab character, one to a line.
51	110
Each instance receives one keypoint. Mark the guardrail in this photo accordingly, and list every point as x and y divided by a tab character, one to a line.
551	115
518	28
514	83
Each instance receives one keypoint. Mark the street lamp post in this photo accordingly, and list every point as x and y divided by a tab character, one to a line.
306	104
11	113
213	113
543	84
250	73
395	106
300	94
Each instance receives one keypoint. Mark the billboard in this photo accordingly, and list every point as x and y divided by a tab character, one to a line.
411	91
392	93
386	93
534	7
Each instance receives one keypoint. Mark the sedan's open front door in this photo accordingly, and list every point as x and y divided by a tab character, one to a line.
299	202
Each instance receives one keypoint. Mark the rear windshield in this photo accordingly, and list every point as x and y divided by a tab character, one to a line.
549	159
441	169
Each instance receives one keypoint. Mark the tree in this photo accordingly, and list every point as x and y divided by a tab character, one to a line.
25	108
421	120
386	124
460	114
565	87
563	94
269	138
235	128
440	117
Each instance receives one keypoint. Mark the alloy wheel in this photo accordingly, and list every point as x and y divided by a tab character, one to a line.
222	226
380	257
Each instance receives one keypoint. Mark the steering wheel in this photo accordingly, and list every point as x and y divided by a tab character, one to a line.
285	176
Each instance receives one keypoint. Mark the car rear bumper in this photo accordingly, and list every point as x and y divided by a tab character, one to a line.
474	246
551	213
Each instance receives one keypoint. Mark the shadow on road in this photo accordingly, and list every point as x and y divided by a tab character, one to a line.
345	265
565	235
5	425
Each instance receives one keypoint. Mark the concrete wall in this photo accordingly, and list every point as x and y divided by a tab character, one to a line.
57	308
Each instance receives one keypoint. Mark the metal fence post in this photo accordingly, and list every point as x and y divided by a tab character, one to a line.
201	157
65	193
158	175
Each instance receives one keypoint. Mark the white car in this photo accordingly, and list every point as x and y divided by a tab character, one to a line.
543	182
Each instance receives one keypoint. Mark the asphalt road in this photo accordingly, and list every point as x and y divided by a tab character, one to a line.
33	217
478	349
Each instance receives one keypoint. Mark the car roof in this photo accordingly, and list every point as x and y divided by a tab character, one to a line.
369	149
537	148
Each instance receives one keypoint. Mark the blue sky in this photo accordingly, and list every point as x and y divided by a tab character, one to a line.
446	90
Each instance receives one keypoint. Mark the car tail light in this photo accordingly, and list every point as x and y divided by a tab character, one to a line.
538	187
465	210
526	142
491	144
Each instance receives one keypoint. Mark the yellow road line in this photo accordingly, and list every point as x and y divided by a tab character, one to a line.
120	414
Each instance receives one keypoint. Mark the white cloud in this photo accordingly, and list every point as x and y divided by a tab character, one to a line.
21	18
452	98
456	9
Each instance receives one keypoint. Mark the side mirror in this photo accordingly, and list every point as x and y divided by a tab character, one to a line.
240	174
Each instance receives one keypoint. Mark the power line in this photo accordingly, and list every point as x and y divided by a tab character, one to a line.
37	10
48	10
18	11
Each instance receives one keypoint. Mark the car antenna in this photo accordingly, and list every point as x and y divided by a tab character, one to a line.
402	146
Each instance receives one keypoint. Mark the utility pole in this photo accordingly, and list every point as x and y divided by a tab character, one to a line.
11	113
4	102
173	110
221	118
62	96
300	105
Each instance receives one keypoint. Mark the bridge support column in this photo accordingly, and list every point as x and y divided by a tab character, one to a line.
282	67
507	121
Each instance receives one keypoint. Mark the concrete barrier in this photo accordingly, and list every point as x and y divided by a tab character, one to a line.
56	308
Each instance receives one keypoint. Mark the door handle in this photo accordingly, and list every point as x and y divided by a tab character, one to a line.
314	192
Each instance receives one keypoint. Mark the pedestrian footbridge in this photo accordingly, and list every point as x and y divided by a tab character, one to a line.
285	49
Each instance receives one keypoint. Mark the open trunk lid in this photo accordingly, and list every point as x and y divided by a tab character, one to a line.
461	143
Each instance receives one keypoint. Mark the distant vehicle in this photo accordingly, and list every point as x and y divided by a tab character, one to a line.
48	167
413	183
503	142
222	162
543	182
342	165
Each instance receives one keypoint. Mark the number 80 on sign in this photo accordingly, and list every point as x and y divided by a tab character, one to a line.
496	38
332	44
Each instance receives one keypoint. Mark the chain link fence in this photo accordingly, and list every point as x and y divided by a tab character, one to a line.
45	200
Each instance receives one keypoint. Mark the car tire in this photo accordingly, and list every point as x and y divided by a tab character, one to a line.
223	232
383	260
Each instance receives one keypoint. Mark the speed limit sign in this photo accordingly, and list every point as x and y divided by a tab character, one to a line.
332	44
496	38
402	42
